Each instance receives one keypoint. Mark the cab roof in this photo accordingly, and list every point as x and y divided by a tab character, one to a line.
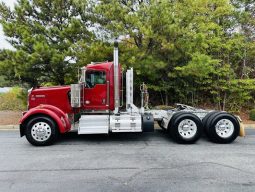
100	66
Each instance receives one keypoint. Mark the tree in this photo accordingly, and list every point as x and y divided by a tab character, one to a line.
245	17
161	36
190	51
45	35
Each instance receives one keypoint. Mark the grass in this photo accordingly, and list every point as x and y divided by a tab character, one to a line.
12	100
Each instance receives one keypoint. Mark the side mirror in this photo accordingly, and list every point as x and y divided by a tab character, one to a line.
83	75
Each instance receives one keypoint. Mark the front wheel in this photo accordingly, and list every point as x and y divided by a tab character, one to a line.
41	131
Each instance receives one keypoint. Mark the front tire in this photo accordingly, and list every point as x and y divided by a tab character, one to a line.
41	131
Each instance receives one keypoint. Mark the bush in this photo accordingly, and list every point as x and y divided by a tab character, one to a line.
252	114
12	100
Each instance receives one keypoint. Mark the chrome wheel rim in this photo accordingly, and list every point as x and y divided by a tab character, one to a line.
41	131
187	128
224	128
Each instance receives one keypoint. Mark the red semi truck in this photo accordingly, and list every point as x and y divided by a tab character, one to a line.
95	106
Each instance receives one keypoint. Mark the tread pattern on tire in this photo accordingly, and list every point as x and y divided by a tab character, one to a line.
205	120
211	123
173	127
54	130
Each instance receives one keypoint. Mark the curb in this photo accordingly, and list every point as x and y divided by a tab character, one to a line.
9	127
249	126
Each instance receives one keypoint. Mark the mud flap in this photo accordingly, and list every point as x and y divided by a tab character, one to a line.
242	130
21	130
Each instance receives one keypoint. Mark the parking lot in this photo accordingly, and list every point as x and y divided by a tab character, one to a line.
126	162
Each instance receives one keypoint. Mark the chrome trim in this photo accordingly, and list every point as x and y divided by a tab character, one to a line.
122	91
41	131
116	77
107	93
76	95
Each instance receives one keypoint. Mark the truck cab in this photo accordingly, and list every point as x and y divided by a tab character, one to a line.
98	86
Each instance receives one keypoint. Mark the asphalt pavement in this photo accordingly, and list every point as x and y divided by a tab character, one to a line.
126	162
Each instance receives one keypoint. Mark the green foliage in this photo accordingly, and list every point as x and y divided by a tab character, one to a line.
13	100
45	35
3	82
200	66
189	51
252	114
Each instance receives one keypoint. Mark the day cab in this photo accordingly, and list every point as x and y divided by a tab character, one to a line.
95	105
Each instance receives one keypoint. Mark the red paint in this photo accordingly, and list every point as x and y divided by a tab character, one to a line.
56	96
60	114
55	114
97	94
55	101
96	97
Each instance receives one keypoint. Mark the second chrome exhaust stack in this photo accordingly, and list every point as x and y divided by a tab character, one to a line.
116	77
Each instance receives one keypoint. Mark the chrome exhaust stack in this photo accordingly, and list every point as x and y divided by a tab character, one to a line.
129	88
116	77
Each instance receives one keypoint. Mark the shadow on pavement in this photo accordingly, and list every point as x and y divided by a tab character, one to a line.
122	137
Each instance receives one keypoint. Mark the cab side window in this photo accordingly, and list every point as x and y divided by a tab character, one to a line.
95	77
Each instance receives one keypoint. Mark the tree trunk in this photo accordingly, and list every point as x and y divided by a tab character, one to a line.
244	65
166	99
224	101
219	102
162	100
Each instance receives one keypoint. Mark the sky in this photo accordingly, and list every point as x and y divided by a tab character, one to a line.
3	43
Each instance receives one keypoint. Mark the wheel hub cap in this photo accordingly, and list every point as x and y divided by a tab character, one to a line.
41	131
187	128
224	128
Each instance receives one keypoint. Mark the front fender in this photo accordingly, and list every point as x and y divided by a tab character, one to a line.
59	112
56	114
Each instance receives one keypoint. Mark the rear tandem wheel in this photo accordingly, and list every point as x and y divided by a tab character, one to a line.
222	127
185	128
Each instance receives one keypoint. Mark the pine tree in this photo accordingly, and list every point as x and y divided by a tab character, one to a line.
45	35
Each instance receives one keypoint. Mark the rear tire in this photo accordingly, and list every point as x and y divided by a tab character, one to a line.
41	131
205	120
175	115
186	128
223	128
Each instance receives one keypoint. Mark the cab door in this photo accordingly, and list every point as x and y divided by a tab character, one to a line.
96	90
